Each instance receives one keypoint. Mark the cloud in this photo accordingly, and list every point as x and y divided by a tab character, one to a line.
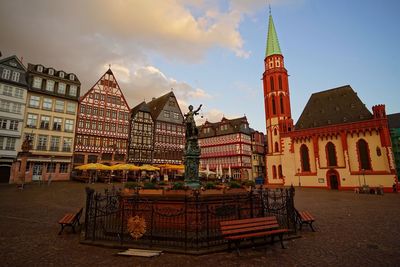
214	115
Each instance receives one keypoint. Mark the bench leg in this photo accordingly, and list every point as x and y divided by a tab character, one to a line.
73	228
281	239
237	247
312	228
62	229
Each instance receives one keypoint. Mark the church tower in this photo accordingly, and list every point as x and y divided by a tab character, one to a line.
277	102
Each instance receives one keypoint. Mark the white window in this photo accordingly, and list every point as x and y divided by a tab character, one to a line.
37	82
63	168
44	122
39	68
6	74
51	72
54	143
10	145
61	88
57	122
19	93
61	74
42	142
4	106
15	76
3	124
7	90
50	86
32	120
47	103
72	77
69	125
2	142
166	114
34	101
14	125
72	90
59	106
16	108
67	143
71	107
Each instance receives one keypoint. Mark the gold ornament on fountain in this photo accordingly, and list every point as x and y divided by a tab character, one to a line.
136	226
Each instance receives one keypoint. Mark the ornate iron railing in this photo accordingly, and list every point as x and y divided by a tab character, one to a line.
180	223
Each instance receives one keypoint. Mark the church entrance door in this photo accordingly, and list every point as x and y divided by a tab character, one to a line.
333	179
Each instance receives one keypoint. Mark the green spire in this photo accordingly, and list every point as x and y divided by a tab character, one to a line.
272	40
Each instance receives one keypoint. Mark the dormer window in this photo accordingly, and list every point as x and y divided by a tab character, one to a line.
51	72
61	74
39	68
72	77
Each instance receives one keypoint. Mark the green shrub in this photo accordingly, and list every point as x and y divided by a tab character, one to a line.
132	185
162	183
234	184
249	183
149	185
178	186
210	185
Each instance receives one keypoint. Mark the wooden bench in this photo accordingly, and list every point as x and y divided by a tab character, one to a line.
243	229
70	219
305	217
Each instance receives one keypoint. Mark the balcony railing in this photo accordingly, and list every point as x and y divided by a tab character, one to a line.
43	148
54	148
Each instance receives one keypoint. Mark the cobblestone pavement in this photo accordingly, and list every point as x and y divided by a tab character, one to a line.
352	230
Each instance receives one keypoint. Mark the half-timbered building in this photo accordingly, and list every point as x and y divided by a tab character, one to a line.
226	145
102	124
169	133
141	141
258	145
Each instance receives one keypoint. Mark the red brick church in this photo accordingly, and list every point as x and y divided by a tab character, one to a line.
337	143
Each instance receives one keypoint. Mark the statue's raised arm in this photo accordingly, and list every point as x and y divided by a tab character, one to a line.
191	129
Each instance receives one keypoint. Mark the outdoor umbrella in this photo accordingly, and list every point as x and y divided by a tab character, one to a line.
93	166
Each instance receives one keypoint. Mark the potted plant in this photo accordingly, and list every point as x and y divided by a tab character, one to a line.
248	184
130	188
150	188
178	188
235	188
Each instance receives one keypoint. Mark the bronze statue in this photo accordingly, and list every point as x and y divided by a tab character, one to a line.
191	129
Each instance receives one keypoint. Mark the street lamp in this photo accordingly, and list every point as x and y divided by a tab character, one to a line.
298	173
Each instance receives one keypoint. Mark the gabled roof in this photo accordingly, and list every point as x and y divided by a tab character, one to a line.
15	59
394	120
140	107
235	127
335	106
32	68
273	47
157	104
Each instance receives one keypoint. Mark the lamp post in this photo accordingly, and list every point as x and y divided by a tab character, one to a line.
52	170
298	173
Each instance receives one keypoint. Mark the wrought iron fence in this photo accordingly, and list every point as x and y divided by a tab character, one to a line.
182	223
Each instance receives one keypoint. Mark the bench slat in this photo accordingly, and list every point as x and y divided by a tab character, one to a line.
264	233
250	229
68	218
255	224
240	221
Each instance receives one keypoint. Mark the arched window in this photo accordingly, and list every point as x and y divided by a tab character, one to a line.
275	132
280	82
363	155
281	103
331	154
305	159
271	81
273	105
280	173
274	171
276	147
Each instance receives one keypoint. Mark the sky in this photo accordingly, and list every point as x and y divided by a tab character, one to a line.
211	52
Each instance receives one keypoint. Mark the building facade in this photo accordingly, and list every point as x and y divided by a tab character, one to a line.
13	91
102	124
169	132
141	135
336	144
226	145
49	121
394	126
258	146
